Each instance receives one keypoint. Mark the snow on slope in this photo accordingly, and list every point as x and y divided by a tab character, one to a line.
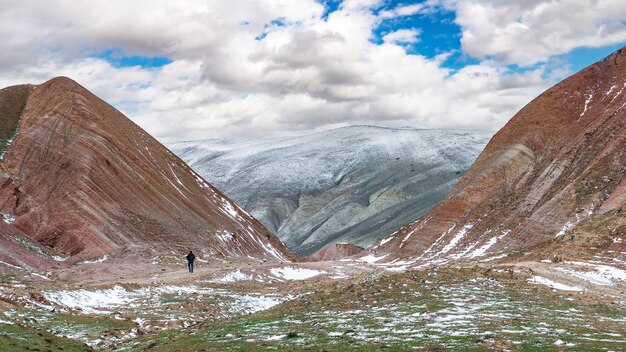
352	184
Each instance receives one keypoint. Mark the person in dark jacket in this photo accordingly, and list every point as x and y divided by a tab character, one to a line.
190	258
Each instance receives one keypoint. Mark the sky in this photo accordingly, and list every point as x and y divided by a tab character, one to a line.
193	69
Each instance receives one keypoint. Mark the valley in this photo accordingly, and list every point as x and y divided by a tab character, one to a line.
487	304
527	252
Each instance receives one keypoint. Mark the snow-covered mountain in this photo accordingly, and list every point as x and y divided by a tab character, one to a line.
352	184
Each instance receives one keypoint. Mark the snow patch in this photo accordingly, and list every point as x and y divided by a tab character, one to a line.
8	218
45	276
234	276
230	209
118	298
95	261
10	265
568	226
267	247
437	242
589	98
418	228
553	284
456	239
500	256
385	240
201	182
560	342
603	275
372	258
482	250
224	236
611	89
175	176
618	93
91	302
253	304
291	273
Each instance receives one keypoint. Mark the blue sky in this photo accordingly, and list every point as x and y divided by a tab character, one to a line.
582	57
117	58
439	34
195	69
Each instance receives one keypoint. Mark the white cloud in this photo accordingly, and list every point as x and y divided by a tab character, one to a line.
402	10
527	32
305	73
424	7
402	36
360	4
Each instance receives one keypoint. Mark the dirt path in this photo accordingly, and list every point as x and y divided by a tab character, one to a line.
134	272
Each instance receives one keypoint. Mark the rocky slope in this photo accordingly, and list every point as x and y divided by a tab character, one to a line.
352	184
559	162
335	251
79	180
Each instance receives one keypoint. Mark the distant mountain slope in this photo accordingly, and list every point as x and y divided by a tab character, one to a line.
352	184
335	251
79	179
559	162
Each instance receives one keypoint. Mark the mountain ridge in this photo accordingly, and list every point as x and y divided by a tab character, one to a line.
558	162
82	180
348	184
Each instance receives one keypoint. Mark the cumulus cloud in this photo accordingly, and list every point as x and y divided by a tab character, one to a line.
425	7
528	32
258	68
402	10
402	36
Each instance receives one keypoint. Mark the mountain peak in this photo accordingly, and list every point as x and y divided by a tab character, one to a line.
62	83
556	163
80	179
61	80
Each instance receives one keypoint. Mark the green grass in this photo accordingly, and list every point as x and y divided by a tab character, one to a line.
84	327
91	325
441	310
19	338
454	310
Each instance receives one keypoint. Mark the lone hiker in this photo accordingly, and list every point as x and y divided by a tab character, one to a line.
190	258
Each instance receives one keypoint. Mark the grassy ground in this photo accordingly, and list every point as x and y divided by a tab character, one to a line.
458	310
20	338
452	309
96	329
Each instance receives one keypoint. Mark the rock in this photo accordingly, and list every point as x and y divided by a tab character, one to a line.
335	251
